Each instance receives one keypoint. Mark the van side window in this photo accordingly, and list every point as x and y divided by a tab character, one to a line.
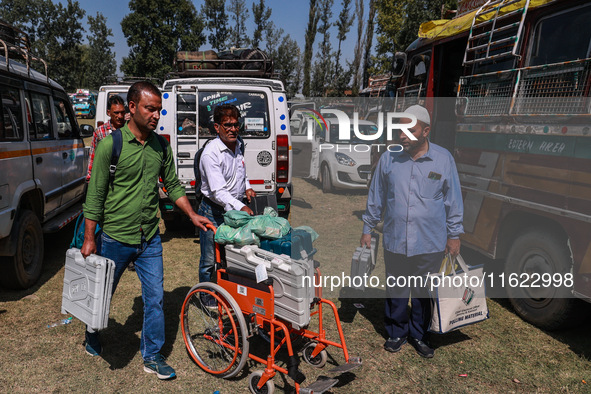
40	122
562	37
11	124
64	120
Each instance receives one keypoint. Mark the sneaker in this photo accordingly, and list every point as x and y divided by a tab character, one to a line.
422	348
394	345
208	301
159	367
92	344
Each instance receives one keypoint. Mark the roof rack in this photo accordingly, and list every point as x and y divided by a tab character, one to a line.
261	68
16	42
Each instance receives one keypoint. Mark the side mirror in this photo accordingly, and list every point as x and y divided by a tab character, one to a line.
398	64
86	130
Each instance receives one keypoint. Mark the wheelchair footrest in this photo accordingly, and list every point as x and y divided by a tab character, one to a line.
354	363
322	384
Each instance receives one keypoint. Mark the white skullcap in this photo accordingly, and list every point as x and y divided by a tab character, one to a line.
420	113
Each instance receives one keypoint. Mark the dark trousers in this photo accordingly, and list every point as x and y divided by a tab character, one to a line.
402	274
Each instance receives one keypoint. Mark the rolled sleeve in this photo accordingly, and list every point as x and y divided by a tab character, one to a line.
375	200
454	206
99	181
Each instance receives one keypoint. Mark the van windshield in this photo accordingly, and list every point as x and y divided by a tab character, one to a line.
253	107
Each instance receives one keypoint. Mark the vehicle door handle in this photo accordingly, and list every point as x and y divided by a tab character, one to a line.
38	160
65	155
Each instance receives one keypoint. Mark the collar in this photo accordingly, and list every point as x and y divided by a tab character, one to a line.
128	135
221	146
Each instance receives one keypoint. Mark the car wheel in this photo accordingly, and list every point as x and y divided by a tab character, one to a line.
22	270
326	181
534	255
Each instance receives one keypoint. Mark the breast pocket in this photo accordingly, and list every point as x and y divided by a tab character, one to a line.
431	188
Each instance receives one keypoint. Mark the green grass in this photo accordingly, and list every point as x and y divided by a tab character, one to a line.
501	355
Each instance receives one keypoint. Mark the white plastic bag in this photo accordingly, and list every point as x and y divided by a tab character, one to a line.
458	297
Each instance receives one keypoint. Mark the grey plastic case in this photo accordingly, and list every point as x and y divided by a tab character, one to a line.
87	288
293	294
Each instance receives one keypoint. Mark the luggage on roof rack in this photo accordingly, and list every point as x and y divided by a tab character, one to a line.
246	62
15	43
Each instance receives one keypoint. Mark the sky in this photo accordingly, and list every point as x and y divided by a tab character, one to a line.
291	16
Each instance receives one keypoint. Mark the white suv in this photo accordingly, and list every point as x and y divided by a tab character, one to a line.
42	182
338	164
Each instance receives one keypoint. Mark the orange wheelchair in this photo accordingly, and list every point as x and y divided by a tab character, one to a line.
218	338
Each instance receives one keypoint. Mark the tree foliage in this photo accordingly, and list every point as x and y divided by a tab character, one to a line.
101	60
216	20
55	32
155	30
323	66
369	39
311	29
238	15
343	25
261	15
358	52
398	23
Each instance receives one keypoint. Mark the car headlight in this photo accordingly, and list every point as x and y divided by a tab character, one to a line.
344	160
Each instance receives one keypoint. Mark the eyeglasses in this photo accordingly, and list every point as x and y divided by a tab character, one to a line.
231	125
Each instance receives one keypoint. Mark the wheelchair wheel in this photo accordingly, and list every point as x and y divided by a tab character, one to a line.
215	337
253	381
319	361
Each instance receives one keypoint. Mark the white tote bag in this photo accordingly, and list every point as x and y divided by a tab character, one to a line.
458	297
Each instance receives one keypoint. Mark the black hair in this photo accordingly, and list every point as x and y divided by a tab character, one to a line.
225	110
135	91
115	100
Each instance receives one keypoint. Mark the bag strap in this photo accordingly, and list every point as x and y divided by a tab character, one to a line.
162	141
115	153
447	265
462	263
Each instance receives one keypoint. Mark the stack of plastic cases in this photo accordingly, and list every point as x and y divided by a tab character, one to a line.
364	261
292	280
87	288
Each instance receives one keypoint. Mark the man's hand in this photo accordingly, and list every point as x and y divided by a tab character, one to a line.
200	221
88	247
249	194
452	247
365	240
247	210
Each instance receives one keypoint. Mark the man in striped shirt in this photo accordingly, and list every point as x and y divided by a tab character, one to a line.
116	111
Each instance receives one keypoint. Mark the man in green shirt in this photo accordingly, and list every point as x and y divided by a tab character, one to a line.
128	212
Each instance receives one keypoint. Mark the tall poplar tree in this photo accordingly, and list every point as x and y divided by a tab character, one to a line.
216	21
311	30
261	15
101	60
238	13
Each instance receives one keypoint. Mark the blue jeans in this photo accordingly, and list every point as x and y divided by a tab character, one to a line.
207	242
147	257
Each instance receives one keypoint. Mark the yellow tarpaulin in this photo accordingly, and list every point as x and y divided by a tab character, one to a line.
446	28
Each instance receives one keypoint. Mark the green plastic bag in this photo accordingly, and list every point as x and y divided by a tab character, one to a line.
236	218
309	230
238	236
269	226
